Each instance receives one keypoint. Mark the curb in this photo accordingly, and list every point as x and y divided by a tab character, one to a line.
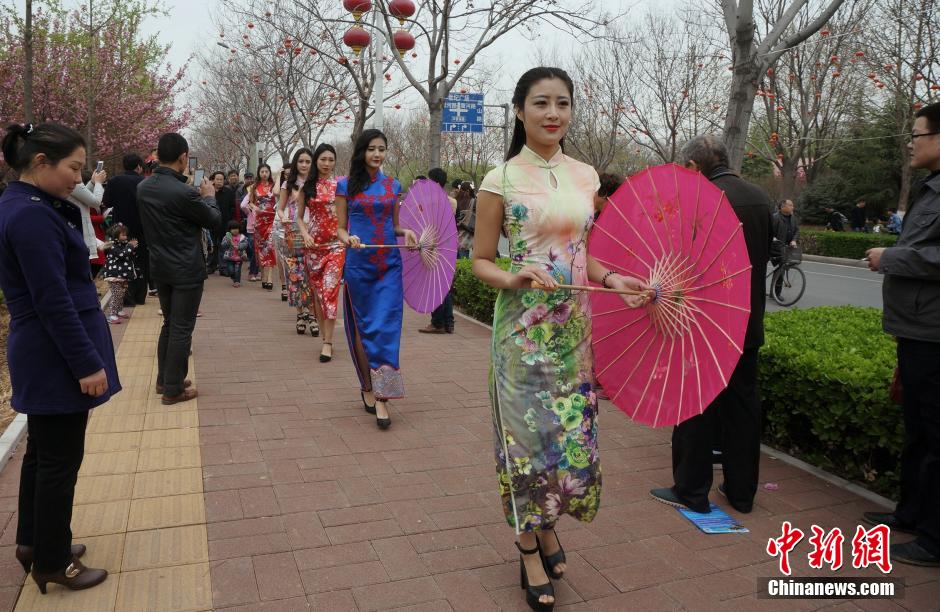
836	261
16	430
780	455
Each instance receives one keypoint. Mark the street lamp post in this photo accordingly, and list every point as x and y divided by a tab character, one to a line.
357	39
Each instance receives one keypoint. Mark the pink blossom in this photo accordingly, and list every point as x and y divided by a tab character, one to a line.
534	315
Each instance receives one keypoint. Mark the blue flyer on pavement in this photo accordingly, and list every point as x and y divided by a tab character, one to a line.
716	521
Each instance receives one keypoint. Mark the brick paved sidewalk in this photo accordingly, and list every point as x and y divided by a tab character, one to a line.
303	504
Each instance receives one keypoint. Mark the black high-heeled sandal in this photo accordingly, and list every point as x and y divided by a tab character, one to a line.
313	326
328	358
533	593
283	292
550	562
383	422
369	409
301	324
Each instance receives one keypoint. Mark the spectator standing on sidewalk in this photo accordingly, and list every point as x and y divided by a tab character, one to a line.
835	221
857	217
736	412
895	223
234	250
911	291
174	215
121	194
466	219
225	201
442	318
60	353
87	197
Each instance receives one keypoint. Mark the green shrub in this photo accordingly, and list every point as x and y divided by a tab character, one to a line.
824	377
475	298
849	245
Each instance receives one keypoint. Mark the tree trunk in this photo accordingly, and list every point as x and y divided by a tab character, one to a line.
740	108
436	107
788	179
28	72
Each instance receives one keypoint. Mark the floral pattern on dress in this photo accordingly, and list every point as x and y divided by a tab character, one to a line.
541	378
324	263
265	253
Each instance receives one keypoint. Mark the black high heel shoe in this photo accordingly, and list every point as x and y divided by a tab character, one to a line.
533	593
550	562
283	292
383	422
313	326
24	554
328	358
301	324
369	409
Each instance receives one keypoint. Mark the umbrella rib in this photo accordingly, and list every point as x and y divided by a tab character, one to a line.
623	352
718	327
650	379
636	366
662	211
620	268
632	227
620	329
720	252
720	280
698	372
659	407
681	377
711	351
648	219
711	227
698	195
626	248
717	303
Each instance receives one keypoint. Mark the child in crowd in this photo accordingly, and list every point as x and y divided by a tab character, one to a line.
234	251
119	270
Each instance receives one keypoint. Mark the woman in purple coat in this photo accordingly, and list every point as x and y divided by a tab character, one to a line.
59	350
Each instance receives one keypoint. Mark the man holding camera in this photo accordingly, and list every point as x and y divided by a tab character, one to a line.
174	215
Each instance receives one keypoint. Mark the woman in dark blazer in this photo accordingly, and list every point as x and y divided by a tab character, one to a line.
59	349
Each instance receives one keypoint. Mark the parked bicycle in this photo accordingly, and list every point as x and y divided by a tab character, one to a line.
787	281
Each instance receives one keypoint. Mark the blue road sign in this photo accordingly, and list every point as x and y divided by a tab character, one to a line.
463	113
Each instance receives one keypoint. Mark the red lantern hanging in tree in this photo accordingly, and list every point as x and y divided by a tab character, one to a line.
357	7
403	41
401	10
356	38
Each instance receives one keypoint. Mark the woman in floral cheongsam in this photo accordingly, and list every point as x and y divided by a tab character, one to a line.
544	406
324	253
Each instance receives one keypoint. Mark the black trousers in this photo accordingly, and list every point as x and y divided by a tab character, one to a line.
443	316
736	414
919	505
55	446
179	305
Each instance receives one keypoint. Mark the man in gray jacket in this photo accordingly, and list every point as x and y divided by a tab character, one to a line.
911	293
173	215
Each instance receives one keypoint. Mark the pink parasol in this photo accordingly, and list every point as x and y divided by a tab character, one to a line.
428	272
665	362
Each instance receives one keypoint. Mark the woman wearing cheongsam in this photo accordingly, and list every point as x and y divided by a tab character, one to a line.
541	381
367	213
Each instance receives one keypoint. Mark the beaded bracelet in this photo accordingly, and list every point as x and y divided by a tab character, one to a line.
604	279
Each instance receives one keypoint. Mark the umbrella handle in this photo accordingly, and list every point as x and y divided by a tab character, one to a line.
538	285
383	246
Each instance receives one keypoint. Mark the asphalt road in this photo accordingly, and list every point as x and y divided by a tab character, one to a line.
833	285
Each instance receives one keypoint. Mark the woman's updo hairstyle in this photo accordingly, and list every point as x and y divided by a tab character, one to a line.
526	81
22	143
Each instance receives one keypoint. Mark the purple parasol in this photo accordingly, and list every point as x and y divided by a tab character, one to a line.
427	273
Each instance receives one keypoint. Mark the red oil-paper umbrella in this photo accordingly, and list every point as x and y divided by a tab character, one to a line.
666	361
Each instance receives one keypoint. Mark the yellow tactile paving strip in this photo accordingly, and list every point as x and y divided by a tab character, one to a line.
138	504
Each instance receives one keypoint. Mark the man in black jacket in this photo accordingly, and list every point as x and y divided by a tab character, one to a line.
225	198
911	292
857	217
121	194
736	412
173	215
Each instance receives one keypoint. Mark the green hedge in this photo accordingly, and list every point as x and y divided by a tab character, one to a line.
473	297
824	378
850	245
